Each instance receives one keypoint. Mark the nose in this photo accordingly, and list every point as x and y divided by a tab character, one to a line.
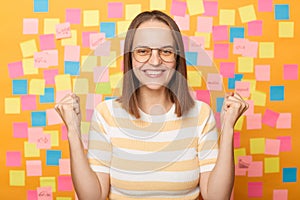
155	58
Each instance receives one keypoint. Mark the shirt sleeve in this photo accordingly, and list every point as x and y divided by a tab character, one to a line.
99	145
208	146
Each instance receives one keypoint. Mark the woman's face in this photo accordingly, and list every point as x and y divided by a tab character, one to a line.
153	54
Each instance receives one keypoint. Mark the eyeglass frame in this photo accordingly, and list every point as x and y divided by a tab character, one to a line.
159	49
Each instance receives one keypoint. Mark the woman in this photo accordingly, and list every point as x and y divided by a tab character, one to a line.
155	141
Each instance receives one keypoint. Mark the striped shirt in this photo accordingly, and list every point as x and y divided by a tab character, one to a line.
155	156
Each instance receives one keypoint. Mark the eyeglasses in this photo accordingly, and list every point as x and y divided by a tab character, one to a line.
143	54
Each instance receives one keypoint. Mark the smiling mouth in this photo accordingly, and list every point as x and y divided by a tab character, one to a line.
153	73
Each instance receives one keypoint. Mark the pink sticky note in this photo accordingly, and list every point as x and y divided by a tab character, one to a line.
49	76
44	141
73	16
103	49
210	8
185	40
250	110
262	72
204	24
270	118
290	72
32	195
205	58
255	28
92	100
237	139
239	45
251	49
64	132
272	147
41	59
64	166
33	168
96	39
101	74
221	51
280	194
244	162
85	141
61	94
72	53
63	30
255	189
30	26
239	171
254	121
115	9
34	134
196	43
203	95
227	69
284	120
13	159
65	183
220	33
243	88
28	102
218	119
20	129
15	69
285	143
214	82
265	5
178	8
255	169
52	57
44	193
47	42
183	22
53	117
89	114
86	39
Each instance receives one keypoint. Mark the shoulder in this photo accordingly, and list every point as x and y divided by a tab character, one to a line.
202	107
106	106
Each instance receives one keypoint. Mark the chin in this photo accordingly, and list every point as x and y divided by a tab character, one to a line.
153	86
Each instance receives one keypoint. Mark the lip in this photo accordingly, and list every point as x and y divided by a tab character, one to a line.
153	73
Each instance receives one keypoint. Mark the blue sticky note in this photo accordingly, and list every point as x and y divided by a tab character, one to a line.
52	157
282	11
109	28
38	118
277	93
220	101
191	58
289	175
72	68
237	32
231	81
48	97
20	87
110	97
40	6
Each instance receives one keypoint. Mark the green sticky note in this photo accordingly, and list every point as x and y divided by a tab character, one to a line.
48	181
257	145
31	150
16	177
103	88
272	165
237	153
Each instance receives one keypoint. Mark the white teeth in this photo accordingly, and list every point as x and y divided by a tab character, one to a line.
152	72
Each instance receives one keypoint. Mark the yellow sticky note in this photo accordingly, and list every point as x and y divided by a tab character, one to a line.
50	25
237	153
91	18
28	66
227	17
132	10
116	80
207	38
48	181
245	64
252	84
70	41
37	86
63	198
53	137
85	126
239	124
286	29
88	63
63	82
259	98
109	60
80	86
31	150
257	145
272	165
28	48
17	177
12	105
194	78
266	50
157	4
122	27
247	13
195	7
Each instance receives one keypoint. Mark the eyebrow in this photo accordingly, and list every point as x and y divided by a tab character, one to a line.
167	46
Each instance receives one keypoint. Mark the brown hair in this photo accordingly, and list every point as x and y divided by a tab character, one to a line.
177	87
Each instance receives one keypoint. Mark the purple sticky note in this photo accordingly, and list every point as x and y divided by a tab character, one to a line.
204	24
227	69
214	82
32	195
272	147
49	76
255	169
270	118
237	139
210	8
262	72
221	51
203	95
101	74
65	183
265	5
63	30
280	194
73	16
115	10
205	58
255	189
255	28
15	69
254	121
178	8
13	159
30	26
103	49
285	143
290	72
86	39
196	43
33	167
92	100
284	121
72	53
220	33
28	102
47	42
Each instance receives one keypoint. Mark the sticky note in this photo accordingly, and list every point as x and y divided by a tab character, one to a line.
203	95
86	38
20	129
32	195
34	133
28	48
266	50
41	59
28	102
286	30
282	11
54	140
88	63
239	124
72	68
270	118
179	8
30	26
272	147
237	139
227	17
80	86
109	61
73	15
103	49
65	183
13	159
63	82
220	101
251	49
52	57
183	22
90	18
52	157
265	5
255	189
132	10
122	27
255	28
259	98
103	88
64	166
47	42
115	9
44	193
289	175
239	45
277	93
227	69
16	177
220	33
38	118
101	74
157	4
207	38
37	86
221	51
96	39
257	145
205	58
109	28
280	194
239	171
271	165
195	7
63	30
243	88
210	8
33	167
85	126
40	6
19	87
247	13
49	76
43	141
64	198
250	110
245	64
50	25
262	72
31	150
204	24
92	100
284	121
244	162
61	94
231	81
191	58
214	82
237	153
48	182
48	96
53	117
71	40
236	32
255	169
285	143
116	81
15	69
290	72
12	105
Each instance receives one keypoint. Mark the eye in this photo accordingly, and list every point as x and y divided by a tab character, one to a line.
167	52
142	51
